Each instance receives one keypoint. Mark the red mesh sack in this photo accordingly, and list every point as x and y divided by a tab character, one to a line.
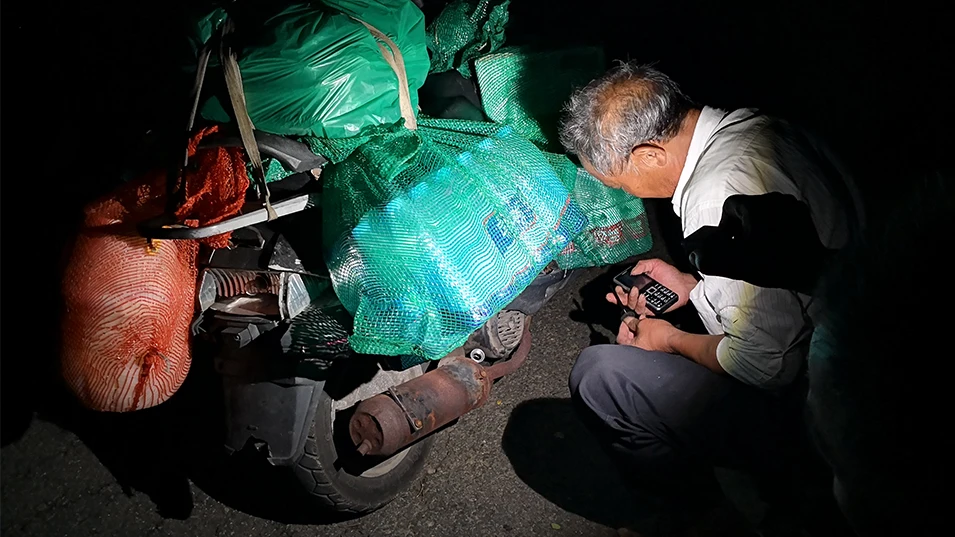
130	302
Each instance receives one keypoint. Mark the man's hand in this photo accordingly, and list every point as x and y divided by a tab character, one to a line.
663	272
648	334
659	335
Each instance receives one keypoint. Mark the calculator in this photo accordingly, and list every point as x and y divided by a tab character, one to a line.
659	297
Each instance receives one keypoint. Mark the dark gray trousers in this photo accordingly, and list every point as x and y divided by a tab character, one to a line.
668	422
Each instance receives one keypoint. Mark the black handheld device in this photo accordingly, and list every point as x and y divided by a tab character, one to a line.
659	297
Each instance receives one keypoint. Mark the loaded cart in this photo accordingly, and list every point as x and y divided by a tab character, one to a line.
364	216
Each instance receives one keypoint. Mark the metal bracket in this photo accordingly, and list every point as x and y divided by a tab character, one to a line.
414	422
165	227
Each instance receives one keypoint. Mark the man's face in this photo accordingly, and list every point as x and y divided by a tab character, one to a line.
636	179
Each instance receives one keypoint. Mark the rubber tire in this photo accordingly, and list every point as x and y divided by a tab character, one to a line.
344	492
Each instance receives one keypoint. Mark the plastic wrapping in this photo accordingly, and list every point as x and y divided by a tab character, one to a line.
311	69
430	233
201	28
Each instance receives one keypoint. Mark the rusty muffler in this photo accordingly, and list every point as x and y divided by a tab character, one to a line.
387	422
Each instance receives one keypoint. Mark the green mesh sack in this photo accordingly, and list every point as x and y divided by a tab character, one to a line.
617	226
274	171
311	69
464	30
527	89
429	233
334	150
316	337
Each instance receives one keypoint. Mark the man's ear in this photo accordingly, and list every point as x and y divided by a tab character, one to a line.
649	156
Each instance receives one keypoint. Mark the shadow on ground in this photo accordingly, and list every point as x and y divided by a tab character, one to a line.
552	451
159	451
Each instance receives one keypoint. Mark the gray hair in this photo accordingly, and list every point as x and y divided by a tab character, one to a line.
631	104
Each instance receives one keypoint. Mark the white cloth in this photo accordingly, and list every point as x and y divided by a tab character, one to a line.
743	152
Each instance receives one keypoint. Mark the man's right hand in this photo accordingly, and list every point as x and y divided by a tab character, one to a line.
664	273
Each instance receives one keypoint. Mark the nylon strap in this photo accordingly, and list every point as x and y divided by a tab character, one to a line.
233	80
397	62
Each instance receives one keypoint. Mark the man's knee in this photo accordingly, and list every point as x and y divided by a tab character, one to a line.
591	369
613	379
619	394
605	375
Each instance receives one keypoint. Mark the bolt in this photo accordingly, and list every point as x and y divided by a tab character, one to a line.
364	447
482	374
417	423
477	355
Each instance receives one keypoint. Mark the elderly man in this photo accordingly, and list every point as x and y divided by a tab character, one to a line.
671	405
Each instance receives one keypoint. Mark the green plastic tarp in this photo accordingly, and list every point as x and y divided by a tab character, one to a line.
312	69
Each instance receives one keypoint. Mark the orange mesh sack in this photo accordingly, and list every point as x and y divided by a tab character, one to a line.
128	305
215	185
130	302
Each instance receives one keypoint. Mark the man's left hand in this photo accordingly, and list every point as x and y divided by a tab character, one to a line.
646	333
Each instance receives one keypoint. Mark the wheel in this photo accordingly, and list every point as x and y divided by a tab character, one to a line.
335	475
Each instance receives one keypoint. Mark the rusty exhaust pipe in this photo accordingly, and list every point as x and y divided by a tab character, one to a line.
387	422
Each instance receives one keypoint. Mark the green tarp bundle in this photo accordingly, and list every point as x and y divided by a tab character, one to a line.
312	69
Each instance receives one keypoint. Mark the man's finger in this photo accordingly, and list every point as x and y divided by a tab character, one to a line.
612	298
641	305
624	334
621	297
643	266
632	323
634	298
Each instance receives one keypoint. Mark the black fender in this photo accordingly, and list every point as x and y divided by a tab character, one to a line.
269	398
274	416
